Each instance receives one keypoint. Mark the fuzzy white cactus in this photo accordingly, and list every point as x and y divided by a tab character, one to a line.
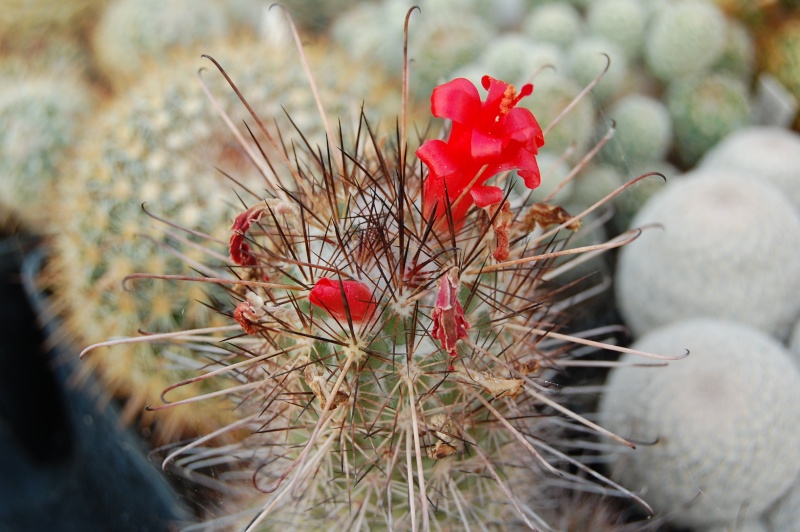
764	154
727	247
717	431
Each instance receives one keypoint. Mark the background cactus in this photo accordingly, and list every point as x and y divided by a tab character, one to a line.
716	443
40	116
705	110
742	265
686	38
765	154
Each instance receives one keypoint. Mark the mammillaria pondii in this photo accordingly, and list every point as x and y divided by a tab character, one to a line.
387	340
716	432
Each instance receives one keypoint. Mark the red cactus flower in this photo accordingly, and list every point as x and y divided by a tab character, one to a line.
327	294
449	322
493	134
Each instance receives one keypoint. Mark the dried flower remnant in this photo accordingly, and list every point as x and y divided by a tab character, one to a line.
486	138
356	303
449	322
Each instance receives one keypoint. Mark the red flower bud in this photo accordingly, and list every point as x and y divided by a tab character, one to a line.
327	294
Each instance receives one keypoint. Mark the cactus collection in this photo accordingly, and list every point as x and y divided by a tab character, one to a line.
364	267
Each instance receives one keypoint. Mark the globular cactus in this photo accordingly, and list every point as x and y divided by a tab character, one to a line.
623	22
643	132
589	56
717	442
704	110
450	42
41	114
738	57
685	39
133	33
766	154
725	247
556	23
158	144
387	336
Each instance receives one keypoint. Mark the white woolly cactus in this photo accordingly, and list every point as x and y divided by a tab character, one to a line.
158	144
386	335
40	116
724	246
765	154
704	110
716	435
686	38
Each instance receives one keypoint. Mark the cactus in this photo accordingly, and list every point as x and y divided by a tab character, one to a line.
686	38
132	33
385	343
23	23
621	21
767	154
718	444
704	111
644	132
556	23
729	249
739	55
442	43
518	57
40	116
158	144
589	56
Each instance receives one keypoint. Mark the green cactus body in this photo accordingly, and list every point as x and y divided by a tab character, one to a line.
705	110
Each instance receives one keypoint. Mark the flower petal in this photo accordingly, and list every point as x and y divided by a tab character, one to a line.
457	100
485	196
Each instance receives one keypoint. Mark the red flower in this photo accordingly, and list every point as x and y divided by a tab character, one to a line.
449	322
494	134
327	294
